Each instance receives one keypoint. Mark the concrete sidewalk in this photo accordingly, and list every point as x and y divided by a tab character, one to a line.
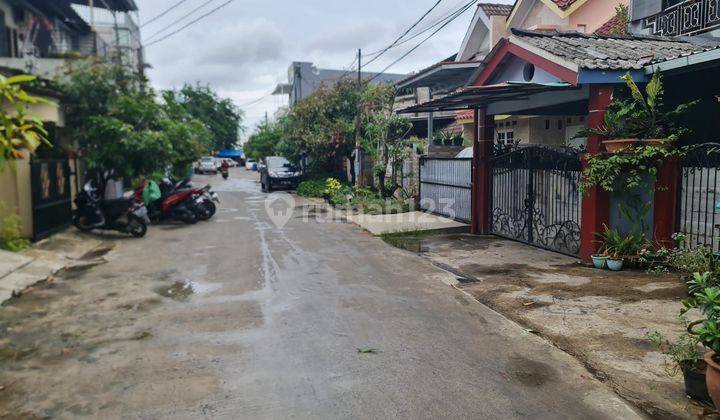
407	222
44	259
598	316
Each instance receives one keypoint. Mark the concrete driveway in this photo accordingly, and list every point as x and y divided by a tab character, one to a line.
237	318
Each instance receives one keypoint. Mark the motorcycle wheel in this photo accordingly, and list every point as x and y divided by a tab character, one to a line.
137	228
190	218
202	213
210	207
77	221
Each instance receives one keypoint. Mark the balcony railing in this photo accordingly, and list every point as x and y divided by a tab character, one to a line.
86	46
689	17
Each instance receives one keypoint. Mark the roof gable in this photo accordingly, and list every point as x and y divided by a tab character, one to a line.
567	54
506	52
562	8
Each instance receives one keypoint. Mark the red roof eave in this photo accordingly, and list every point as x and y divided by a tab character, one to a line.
505	48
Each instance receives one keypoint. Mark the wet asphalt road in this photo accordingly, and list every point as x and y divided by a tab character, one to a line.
246	320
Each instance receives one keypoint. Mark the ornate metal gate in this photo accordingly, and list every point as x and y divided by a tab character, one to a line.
51	196
699	201
535	197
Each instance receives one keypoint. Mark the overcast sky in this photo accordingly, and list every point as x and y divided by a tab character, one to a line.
245	49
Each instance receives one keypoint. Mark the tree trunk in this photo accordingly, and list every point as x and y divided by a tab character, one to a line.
351	164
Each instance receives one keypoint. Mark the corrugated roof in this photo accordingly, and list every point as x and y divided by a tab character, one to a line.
610	52
496	9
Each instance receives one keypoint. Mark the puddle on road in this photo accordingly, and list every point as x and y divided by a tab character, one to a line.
181	291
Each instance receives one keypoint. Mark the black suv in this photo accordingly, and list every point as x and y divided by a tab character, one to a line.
278	173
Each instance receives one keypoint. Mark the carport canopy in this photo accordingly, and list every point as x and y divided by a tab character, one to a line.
475	96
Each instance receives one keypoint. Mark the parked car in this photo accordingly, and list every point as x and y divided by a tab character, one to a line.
250	165
207	165
277	172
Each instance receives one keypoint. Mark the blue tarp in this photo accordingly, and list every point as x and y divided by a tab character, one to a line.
232	154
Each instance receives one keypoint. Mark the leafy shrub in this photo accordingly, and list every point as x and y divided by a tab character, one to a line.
700	259
376	205
311	188
11	234
332	186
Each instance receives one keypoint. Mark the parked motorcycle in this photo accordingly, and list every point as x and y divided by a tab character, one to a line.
173	204
204	197
125	215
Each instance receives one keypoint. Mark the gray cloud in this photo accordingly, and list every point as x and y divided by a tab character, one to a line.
245	49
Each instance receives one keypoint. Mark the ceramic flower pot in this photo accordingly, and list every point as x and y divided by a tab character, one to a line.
614	264
600	261
712	378
618	145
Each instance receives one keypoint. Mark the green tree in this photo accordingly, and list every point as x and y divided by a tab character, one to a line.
18	131
220	116
264	141
384	135
124	129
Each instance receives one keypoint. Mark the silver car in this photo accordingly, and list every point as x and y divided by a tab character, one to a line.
207	165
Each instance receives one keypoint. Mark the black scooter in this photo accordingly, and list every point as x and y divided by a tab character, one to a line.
123	215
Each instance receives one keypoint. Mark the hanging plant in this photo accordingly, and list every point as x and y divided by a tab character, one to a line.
625	171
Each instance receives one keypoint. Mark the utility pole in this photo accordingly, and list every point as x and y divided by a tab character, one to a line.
91	4
117	37
358	153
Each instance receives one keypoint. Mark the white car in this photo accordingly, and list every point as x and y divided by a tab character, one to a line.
207	165
249	164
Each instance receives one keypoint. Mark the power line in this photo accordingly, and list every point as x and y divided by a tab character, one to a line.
437	3
435	23
254	101
190	13
466	7
168	10
190	23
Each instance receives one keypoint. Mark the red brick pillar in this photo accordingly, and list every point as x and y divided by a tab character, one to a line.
481	171
596	201
666	203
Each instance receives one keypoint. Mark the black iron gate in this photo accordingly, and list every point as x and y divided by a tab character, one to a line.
535	197
699	201
51	196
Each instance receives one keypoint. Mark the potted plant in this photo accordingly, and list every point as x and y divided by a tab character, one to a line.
639	120
619	247
707	330
686	355
458	140
599	260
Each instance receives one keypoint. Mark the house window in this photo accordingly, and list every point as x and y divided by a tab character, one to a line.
569	120
547	124
505	137
560	125
582	28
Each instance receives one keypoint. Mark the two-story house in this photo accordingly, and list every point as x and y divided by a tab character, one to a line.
490	24
39	37
304	79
